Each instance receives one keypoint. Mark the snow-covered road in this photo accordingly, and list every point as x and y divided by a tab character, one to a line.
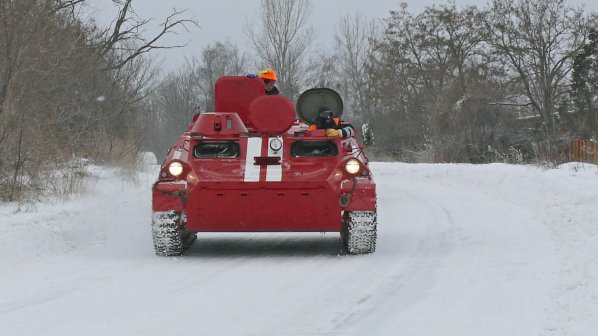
462	250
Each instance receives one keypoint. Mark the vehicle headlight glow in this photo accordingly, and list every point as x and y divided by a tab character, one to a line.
352	166
175	168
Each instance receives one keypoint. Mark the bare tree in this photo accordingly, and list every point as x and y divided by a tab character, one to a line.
170	107
423	69
20	25
353	49
584	122
323	70
30	58
128	27
537	39
67	91
219	59
282	41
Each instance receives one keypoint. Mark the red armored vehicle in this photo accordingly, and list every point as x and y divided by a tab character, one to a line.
251	166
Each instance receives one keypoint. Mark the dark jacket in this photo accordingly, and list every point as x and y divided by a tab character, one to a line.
346	129
273	91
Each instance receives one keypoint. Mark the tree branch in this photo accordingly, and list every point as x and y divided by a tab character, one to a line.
132	34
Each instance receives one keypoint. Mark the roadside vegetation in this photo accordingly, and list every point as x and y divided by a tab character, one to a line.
515	81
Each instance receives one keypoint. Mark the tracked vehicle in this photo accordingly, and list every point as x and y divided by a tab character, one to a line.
253	166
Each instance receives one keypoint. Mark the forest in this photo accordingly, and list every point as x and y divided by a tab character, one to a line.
515	81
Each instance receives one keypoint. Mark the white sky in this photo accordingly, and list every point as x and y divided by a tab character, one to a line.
224	20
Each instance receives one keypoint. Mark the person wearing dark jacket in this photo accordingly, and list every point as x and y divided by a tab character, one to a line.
269	77
333	125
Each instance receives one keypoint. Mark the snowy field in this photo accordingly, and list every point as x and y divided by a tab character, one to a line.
462	250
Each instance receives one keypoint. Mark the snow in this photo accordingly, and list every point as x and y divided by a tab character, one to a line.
463	250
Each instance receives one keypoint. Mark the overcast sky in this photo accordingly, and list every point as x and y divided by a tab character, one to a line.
222	20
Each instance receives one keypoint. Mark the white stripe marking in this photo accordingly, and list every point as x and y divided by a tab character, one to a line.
254	148
274	172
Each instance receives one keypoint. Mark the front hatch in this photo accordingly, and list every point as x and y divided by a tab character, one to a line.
310	101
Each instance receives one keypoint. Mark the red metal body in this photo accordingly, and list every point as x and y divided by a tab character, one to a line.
236	179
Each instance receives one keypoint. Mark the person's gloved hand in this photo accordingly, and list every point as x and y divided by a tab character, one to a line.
331	132
252	75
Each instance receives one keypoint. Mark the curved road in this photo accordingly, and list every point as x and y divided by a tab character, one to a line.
451	260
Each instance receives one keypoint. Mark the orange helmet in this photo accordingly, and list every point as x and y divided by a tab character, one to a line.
268	74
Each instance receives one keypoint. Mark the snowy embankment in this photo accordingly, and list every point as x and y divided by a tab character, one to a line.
462	250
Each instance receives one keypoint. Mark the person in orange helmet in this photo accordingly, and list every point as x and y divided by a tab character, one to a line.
269	77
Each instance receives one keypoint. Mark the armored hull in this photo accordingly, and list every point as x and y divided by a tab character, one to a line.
253	166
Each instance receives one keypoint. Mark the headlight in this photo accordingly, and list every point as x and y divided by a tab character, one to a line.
175	168
275	144
352	166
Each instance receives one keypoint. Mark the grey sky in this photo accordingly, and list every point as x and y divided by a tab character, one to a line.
224	19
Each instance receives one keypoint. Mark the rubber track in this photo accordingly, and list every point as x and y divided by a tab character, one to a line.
167	233
360	233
